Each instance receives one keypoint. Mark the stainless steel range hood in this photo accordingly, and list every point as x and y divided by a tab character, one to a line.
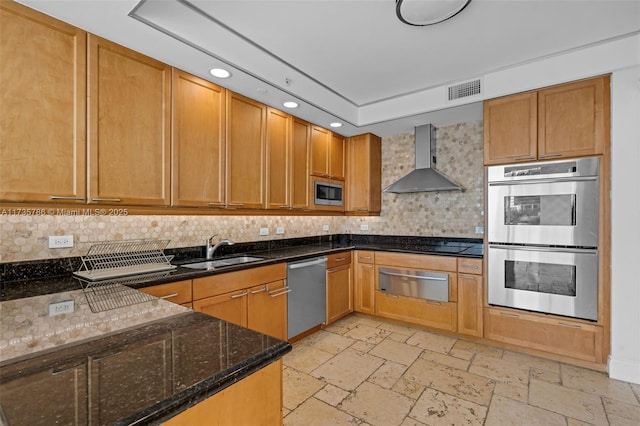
425	178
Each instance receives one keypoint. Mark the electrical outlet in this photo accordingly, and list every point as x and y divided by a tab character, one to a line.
364	227
479	229
280	230
325	228
60	241
264	231
59	308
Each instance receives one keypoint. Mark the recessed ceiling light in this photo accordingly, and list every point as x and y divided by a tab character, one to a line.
335	124
290	104
220	73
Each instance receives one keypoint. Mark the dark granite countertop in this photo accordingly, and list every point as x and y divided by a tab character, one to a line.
142	375
17	286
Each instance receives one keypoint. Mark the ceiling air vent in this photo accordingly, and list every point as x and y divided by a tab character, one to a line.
463	90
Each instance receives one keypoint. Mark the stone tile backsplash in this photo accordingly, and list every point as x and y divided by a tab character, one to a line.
451	214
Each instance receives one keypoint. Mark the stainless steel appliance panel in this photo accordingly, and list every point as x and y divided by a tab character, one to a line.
328	194
561	281
422	284
307	300
538	203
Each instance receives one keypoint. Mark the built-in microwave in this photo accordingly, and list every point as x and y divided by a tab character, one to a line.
328	193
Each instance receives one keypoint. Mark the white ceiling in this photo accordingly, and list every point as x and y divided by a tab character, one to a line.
338	57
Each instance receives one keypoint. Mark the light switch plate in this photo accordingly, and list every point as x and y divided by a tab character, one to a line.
479	229
264	231
325	228
364	227
59	308
280	230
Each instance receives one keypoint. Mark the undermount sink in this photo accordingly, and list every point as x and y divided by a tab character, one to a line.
230	261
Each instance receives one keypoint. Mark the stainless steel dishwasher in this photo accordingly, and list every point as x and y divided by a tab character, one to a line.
306	305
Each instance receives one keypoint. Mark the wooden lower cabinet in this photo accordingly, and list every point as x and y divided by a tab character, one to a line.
339	292
231	307
429	313
364	282
254	400
267	309
255	298
470	297
550	334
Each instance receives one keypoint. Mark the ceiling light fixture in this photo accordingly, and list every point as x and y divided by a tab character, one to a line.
290	104
335	124
421	13
219	73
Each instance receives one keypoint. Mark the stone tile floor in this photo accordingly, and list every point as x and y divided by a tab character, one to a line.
367	371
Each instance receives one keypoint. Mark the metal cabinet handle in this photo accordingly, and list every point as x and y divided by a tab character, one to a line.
114	200
414	276
340	259
529	157
259	291
237	296
235	204
550	155
285	207
168	296
280	292
564	324
504	314
468	277
431	302
60	197
367	266
216	204
469	266
364	257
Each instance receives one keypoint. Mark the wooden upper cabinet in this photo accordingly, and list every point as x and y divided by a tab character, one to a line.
129	126
569	120
300	180
364	170
336	156
573	119
510	129
319	151
245	152
42	108
198	130
278	159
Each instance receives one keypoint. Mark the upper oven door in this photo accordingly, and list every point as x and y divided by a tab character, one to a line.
552	209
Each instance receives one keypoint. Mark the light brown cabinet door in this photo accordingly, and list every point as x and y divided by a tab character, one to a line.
339	292
336	156
573	119
254	400
177	292
245	151
231	307
129	126
364	170
267	311
470	304
278	159
364	283
198	142
319	151
441	315
42	108
510	129
300	186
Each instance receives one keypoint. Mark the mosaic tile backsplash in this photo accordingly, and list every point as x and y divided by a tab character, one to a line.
450	214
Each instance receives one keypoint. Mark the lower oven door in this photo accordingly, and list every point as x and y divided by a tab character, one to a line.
560	281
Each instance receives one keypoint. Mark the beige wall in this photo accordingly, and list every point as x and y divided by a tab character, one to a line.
451	214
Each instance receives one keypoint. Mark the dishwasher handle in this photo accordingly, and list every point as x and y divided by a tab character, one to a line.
312	262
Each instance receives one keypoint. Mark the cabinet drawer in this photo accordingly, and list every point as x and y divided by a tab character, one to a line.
558	336
178	292
365	257
232	281
470	266
338	259
442	315
417	261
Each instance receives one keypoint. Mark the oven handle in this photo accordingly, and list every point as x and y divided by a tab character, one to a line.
545	249
550	180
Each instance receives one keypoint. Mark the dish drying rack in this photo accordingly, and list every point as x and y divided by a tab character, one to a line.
109	268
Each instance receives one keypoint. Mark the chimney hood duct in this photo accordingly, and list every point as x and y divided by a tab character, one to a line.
425	178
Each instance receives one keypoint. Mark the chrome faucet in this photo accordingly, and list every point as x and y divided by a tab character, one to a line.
211	249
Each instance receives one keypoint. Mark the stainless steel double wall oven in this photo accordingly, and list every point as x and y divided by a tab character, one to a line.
543	237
